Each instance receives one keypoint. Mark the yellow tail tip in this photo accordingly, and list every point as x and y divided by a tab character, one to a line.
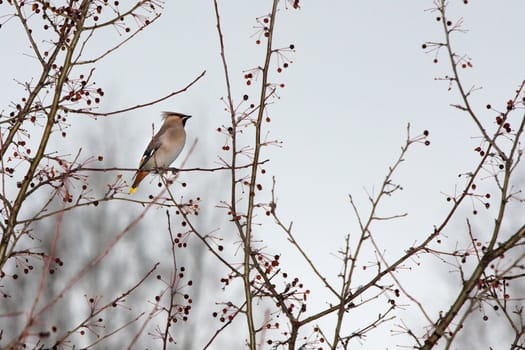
132	190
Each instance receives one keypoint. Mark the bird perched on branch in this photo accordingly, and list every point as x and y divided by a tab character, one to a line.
164	147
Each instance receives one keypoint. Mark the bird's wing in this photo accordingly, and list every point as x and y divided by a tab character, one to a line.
153	146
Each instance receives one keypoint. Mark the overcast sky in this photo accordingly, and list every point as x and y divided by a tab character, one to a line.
358	76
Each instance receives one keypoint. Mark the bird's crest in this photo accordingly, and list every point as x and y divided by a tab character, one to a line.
166	114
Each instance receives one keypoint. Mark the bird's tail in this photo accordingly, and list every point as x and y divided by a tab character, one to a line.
139	176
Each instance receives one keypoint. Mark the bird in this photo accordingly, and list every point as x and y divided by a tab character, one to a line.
164	147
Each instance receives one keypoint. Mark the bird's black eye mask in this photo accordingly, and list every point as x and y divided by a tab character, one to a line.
185	119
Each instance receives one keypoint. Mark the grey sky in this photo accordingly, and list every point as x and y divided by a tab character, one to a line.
358	77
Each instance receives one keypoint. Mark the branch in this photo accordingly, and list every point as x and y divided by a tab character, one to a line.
127	109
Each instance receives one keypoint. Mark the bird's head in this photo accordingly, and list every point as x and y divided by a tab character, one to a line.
176	116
